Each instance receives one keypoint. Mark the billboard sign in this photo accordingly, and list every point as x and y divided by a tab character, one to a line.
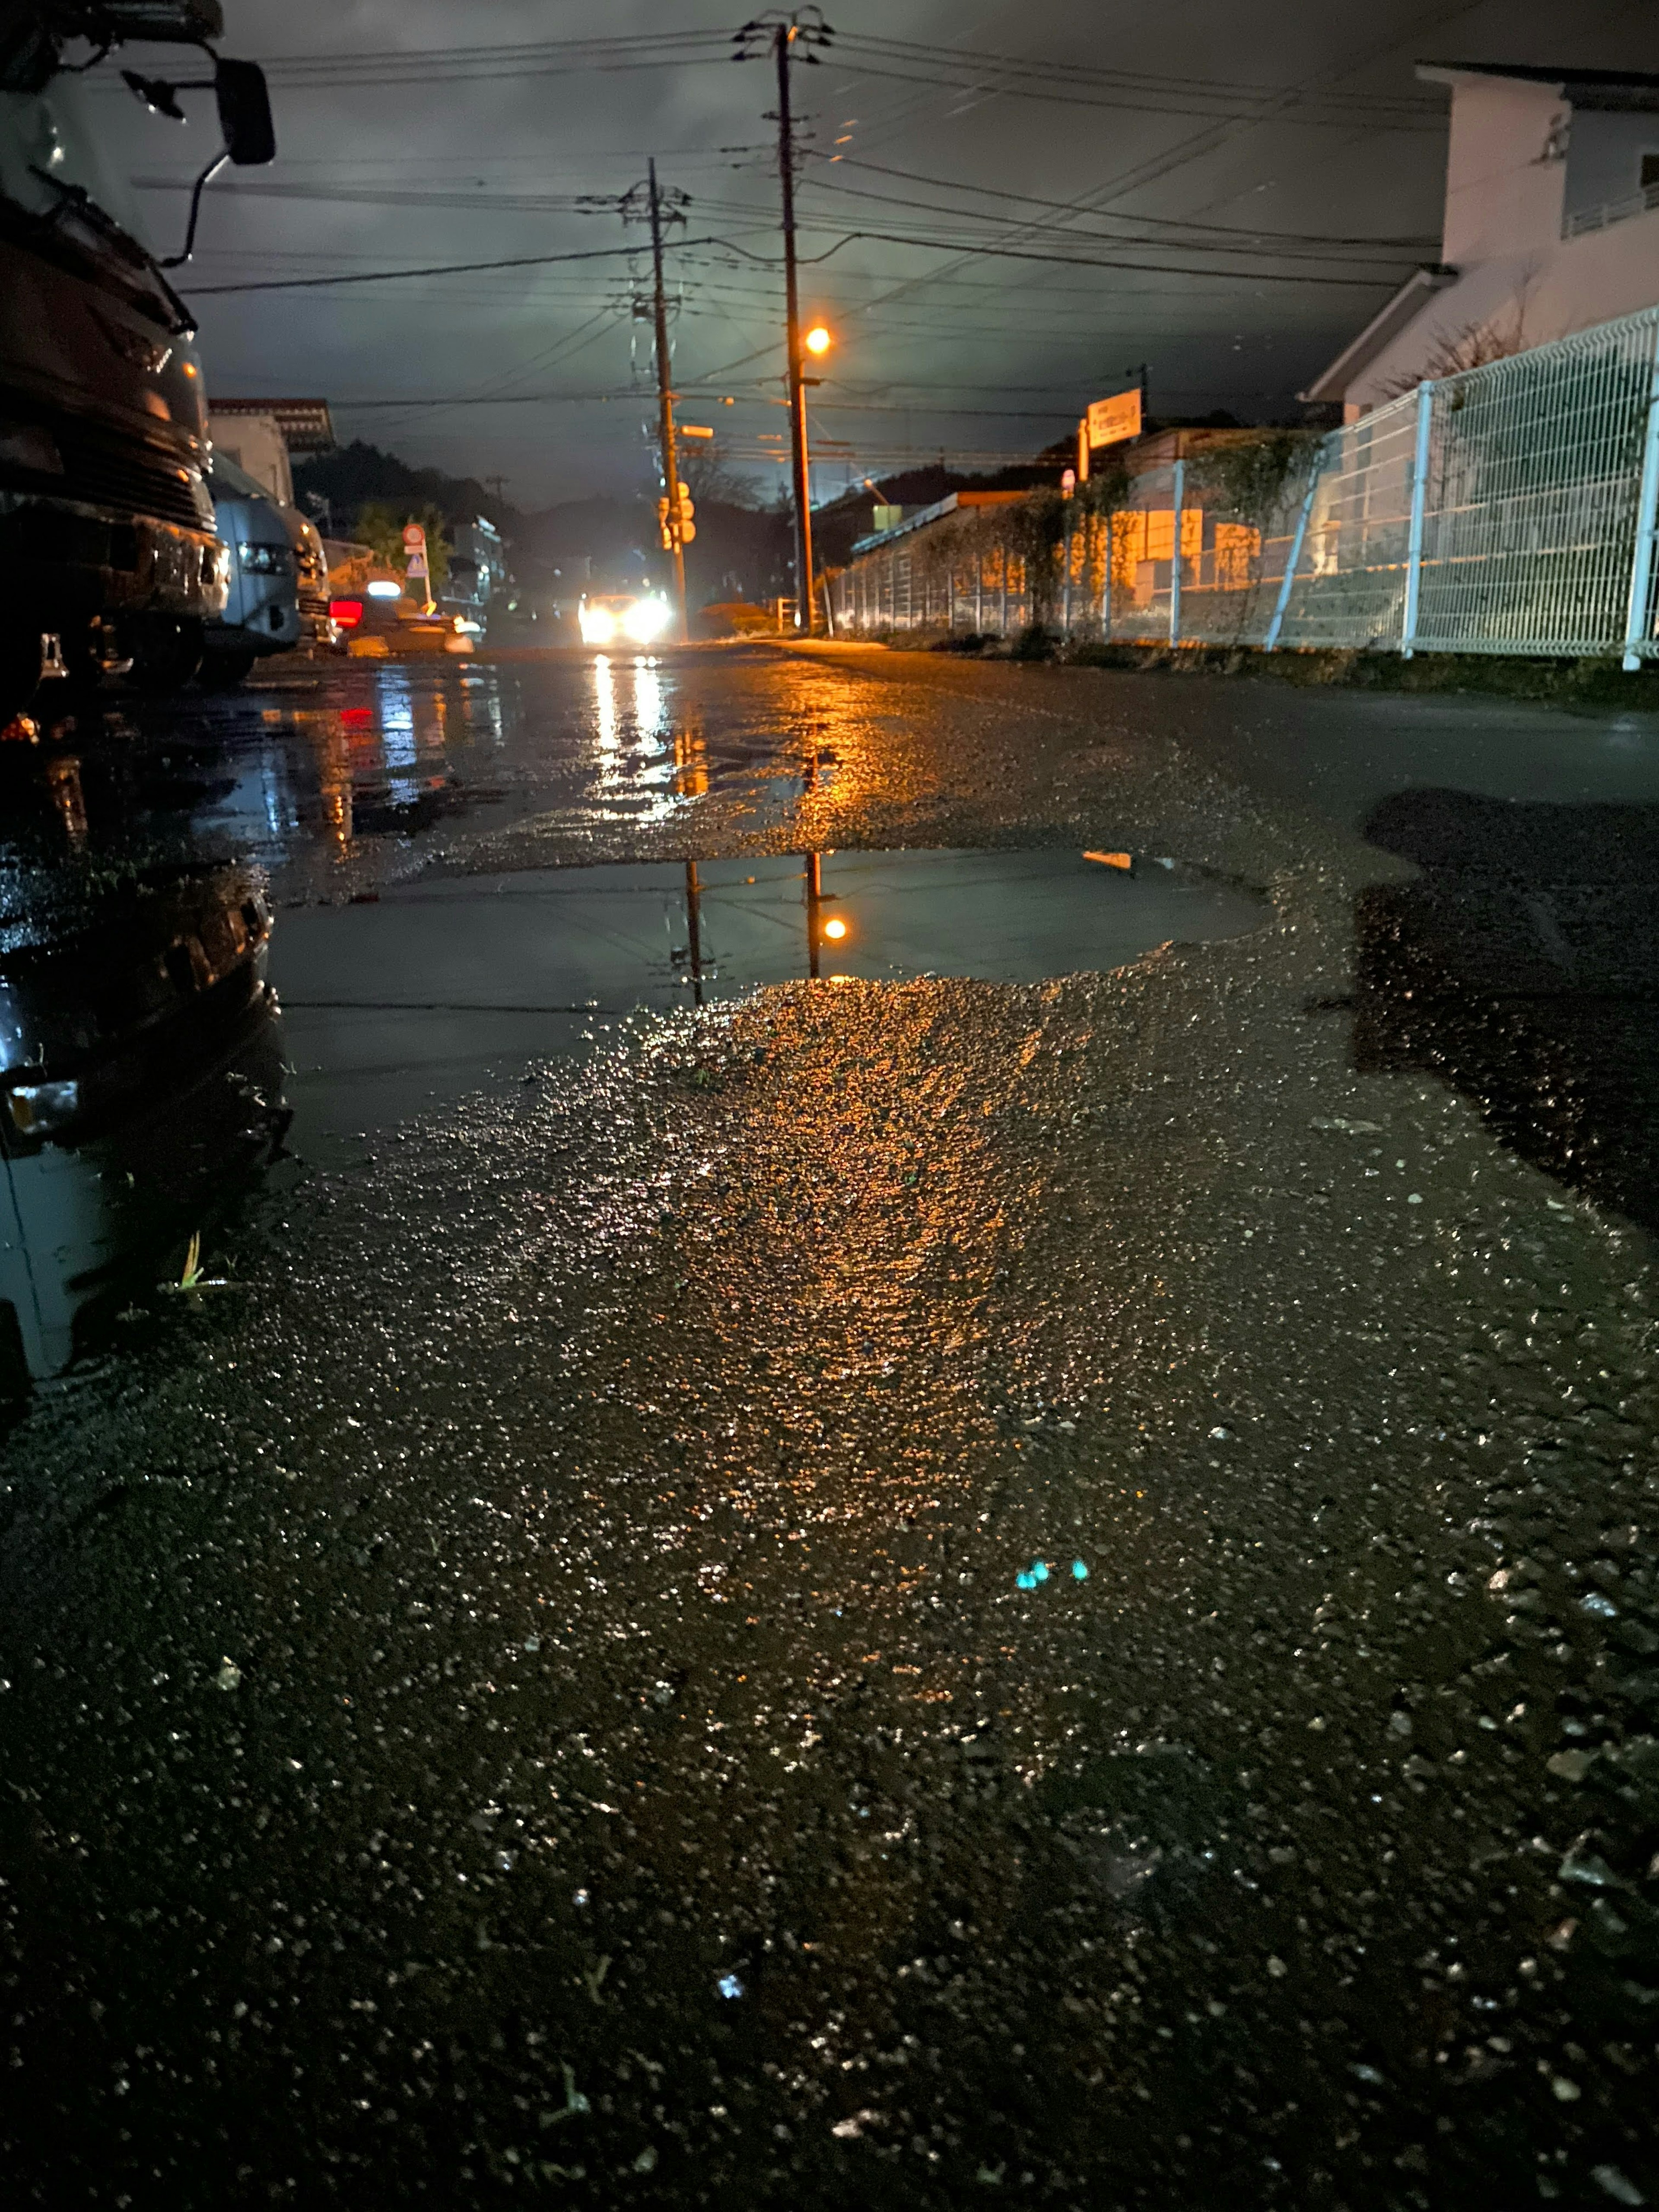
1111	420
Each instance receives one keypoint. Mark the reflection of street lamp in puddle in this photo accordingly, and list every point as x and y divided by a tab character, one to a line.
833	931
647	700
605	689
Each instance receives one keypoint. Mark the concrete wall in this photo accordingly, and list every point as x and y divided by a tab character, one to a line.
1504	170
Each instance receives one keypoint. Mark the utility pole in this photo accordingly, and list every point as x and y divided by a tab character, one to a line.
675	526
782	39
806	29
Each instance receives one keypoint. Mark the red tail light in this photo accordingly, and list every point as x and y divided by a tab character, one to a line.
347	612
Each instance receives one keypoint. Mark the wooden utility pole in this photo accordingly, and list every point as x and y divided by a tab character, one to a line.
674	522
787	37
783	38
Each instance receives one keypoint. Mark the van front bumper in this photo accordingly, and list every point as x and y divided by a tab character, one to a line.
61	560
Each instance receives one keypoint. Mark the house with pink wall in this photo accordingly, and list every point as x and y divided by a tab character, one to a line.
1552	224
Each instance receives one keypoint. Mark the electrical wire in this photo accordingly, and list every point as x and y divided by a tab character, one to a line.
440	269
1156	222
1086	87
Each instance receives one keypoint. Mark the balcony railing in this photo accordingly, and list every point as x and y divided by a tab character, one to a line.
1609	212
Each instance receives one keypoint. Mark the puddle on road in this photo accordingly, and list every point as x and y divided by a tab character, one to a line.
424	992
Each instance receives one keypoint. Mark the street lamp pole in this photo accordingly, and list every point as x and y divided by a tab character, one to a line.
783	38
804	29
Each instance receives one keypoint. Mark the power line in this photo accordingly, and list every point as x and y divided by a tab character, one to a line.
1140	268
441	269
1158	222
1026	78
473	63
1256	252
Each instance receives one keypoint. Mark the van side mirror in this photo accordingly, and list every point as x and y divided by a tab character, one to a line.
245	113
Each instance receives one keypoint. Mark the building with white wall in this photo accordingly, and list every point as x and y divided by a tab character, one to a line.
260	435
1552	224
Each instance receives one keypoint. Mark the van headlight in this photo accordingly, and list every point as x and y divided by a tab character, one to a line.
599	625
265	560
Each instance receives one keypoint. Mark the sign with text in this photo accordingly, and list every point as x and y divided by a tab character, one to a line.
1111	420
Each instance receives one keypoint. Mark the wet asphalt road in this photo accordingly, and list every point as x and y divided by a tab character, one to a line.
887	1593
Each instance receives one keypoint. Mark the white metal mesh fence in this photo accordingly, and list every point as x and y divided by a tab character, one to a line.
1511	508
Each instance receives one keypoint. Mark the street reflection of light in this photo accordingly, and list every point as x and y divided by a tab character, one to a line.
690	762
647	700
400	746
604	690
431	727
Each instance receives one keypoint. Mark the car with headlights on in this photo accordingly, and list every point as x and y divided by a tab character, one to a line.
622	619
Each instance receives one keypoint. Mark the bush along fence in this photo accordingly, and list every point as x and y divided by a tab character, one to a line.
1509	509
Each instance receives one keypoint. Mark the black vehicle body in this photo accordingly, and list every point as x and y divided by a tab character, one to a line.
108	550
141	1087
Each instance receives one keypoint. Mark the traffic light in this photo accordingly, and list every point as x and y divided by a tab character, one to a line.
688	528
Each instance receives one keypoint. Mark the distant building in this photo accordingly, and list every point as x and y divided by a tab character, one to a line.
1552	224
477	569
956	502
261	434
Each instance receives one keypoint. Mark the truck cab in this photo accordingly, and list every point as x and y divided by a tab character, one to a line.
108	553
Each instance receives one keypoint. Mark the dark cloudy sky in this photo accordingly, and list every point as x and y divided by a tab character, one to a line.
1179	137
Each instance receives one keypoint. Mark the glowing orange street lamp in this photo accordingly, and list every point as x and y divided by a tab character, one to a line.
834	927
818	341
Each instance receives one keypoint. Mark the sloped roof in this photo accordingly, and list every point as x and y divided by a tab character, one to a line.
1384	326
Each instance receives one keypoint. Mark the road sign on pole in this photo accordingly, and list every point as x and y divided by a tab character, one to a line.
417	567
1111	420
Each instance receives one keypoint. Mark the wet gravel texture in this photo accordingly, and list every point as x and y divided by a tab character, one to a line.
901	1594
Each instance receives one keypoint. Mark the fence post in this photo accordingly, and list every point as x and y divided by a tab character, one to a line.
1271	642
1637	627
1175	552
1065	588
1004	632
1420	501
979	591
1106	585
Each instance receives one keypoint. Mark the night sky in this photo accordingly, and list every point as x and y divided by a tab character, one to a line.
1256	144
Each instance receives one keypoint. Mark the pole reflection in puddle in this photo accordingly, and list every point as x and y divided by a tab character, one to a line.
814	902
693	930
